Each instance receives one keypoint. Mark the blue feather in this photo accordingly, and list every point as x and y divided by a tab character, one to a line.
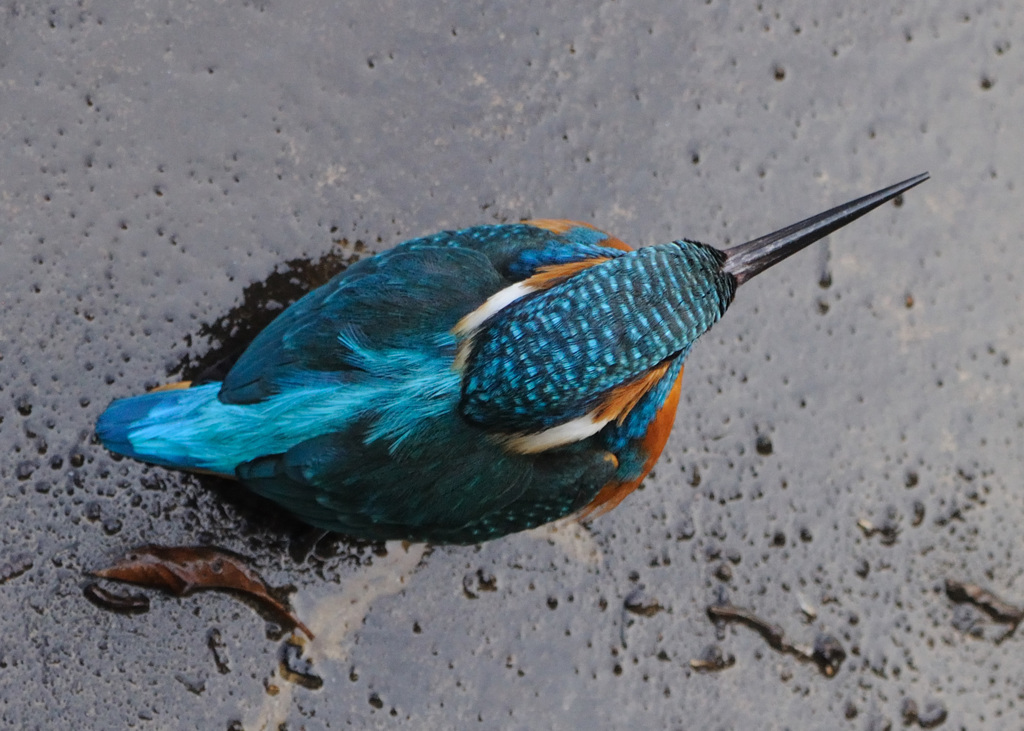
400	391
118	427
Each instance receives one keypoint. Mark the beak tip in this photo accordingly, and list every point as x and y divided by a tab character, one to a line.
747	260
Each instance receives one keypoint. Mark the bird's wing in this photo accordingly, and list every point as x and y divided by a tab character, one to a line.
405	298
394	300
445	484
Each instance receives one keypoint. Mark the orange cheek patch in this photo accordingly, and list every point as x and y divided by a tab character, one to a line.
623	399
559	226
548	276
613	243
171	387
653	443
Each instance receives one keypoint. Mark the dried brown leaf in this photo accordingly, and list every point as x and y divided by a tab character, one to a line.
184	569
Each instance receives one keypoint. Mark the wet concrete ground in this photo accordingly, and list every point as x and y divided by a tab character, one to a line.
161	161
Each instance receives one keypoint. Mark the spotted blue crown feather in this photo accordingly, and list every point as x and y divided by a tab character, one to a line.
555	355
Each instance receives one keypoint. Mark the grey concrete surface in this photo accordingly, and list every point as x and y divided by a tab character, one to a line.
159	161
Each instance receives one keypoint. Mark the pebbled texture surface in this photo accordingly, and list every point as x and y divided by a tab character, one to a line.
174	172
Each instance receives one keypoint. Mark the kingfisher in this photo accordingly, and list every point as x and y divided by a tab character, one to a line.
465	385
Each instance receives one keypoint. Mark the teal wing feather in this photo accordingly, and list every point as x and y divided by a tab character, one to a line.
395	300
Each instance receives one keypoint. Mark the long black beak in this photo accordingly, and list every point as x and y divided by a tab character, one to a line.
750	259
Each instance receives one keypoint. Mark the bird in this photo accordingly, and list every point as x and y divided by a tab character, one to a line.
466	385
